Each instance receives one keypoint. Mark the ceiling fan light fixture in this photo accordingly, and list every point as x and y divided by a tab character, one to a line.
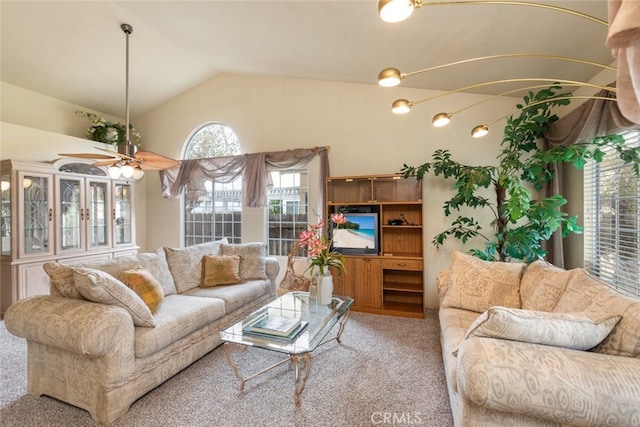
390	77
127	171
138	173
396	10
114	171
401	106
479	131
441	119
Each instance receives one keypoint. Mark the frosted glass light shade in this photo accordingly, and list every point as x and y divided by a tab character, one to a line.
127	171
114	172
395	10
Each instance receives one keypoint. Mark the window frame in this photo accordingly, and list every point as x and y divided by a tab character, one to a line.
281	244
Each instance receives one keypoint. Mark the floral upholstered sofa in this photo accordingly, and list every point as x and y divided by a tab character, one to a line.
112	330
537	345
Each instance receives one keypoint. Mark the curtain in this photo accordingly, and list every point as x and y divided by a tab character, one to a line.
254	169
623	39
596	117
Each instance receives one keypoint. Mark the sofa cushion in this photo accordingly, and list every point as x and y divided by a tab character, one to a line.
586	293
234	296
542	285
186	263
577	331
252	263
220	270
101	287
177	317
476	285
145	285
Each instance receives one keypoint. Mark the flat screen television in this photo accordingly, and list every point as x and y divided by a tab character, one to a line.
360	235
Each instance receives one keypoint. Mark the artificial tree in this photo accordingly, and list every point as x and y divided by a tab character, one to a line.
521	223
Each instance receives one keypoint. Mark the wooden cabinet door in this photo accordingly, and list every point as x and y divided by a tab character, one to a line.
367	279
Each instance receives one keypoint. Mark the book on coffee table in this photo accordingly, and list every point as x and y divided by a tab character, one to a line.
276	327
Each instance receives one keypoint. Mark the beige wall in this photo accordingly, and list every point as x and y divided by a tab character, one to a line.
270	114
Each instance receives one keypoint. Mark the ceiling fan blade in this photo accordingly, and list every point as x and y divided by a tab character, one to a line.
88	156
116	153
105	162
149	160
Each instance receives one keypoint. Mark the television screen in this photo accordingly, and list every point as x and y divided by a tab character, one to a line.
358	236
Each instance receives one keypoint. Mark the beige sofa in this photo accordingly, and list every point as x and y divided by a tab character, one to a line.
91	355
537	346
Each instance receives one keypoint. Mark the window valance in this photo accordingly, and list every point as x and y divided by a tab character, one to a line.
254	169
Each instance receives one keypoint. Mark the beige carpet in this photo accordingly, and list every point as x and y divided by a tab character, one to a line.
387	371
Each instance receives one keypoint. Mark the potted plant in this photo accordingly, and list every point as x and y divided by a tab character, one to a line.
108	132
521	223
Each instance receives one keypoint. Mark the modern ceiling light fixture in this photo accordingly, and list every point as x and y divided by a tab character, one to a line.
128	162
390	77
398	10
482	130
403	106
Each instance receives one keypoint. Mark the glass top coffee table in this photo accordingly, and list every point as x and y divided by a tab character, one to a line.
320	319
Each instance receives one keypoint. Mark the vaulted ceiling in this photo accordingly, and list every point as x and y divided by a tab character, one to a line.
75	50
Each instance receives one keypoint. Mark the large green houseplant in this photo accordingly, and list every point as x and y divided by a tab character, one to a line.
521	223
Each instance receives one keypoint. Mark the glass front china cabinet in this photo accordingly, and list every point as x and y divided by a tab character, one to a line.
63	211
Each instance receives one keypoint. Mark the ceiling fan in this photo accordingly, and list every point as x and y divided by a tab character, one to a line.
127	161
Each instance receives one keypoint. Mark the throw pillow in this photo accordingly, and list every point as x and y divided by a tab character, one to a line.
252	263
185	263
577	331
542	285
476	285
220	270
103	288
61	277
145	285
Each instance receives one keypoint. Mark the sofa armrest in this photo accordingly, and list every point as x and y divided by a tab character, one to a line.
273	268
552	383
70	324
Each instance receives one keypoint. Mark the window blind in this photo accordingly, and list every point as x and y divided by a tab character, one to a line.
612	220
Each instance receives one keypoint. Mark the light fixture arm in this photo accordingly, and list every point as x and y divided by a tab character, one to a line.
511	55
415	4
482	130
528	88
556	81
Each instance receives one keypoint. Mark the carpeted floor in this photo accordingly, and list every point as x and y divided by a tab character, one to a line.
387	371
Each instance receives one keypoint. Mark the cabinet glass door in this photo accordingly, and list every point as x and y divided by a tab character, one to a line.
97	213
122	214
37	214
71	214
5	213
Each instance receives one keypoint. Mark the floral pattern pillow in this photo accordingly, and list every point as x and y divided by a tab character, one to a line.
252	262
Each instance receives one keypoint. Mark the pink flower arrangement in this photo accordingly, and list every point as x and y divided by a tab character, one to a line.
319	246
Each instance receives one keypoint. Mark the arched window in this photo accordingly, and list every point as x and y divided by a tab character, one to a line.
214	210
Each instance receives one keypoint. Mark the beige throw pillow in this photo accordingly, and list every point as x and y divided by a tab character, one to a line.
220	270
103	288
142	282
577	331
252	262
476	285
186	263
542	285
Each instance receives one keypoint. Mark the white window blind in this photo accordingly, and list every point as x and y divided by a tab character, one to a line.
612	220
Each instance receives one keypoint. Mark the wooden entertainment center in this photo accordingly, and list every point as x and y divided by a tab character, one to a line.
391	281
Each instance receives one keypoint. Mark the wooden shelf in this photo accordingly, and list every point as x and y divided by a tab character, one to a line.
402	287
392	282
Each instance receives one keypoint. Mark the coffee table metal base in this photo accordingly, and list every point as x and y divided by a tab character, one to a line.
301	362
